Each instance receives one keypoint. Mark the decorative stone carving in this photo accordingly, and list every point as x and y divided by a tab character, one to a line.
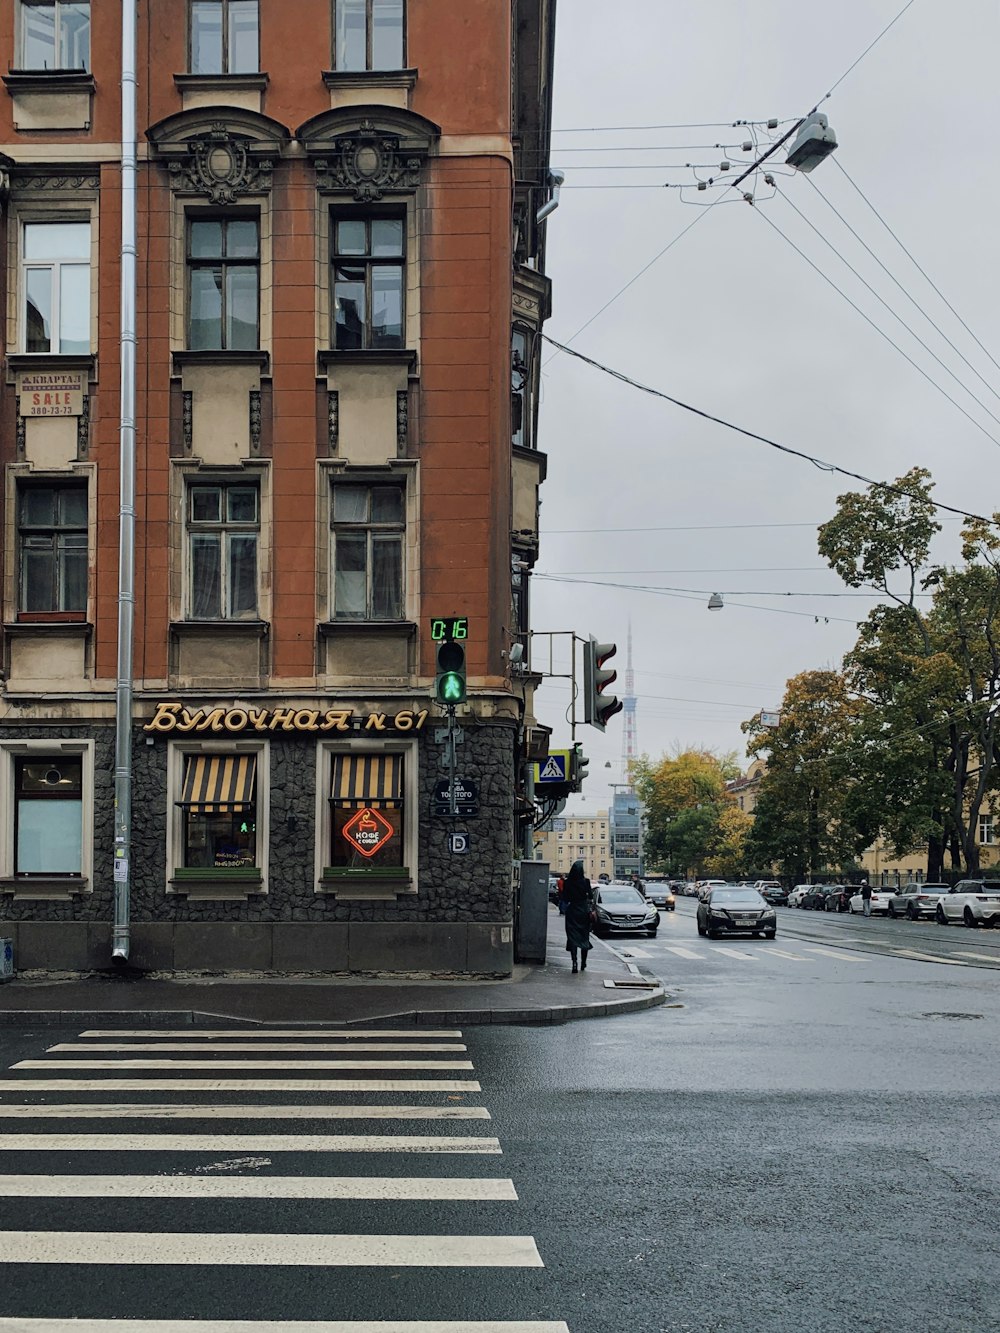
333	420
187	419
89	181
369	164
255	418
402	420
220	166
83	429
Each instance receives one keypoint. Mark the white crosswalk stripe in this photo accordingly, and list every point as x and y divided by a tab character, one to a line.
771	952
839	954
681	952
162	1061
733	953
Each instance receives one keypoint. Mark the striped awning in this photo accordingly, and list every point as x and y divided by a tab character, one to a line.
219	784
373	780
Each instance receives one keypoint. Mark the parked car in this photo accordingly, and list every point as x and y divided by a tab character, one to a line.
797	894
880	901
705	887
690	889
729	910
840	897
761	884
774	894
553	889
815	899
620	907
916	900
971	901
662	895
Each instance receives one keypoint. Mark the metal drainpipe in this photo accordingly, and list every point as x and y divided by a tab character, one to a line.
126	506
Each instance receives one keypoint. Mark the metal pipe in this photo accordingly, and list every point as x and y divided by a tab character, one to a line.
126	495
556	179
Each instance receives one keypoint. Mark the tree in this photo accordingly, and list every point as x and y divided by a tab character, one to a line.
728	859
683	796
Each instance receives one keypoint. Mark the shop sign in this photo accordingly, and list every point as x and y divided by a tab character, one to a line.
368	831
175	717
56	394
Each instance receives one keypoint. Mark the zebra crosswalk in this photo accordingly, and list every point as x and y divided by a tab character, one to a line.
205	1146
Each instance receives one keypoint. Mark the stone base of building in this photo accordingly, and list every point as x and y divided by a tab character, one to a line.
345	947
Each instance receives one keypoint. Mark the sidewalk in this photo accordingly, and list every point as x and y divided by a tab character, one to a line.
537	993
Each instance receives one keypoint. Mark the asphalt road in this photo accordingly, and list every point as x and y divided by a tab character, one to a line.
807	1143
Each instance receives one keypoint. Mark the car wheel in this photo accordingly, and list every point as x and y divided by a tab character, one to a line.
910	913
711	932
968	918
770	934
891	911
652	933
939	916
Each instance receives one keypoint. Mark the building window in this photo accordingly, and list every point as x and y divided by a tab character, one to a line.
55	34
223	284
368	275
223	535
368	34
224	37
48	815
219	806
986	830
55	282
520	388
367	811
52	540
367	557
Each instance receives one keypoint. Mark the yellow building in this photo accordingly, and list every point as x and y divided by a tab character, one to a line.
585	838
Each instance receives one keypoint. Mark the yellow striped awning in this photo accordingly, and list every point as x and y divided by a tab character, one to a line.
373	780
219	784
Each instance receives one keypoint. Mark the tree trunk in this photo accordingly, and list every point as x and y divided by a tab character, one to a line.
935	857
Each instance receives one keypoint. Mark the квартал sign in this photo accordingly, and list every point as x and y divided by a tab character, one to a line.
57	393
175	717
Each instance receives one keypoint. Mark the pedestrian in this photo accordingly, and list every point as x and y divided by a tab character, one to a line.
561	896
579	898
866	897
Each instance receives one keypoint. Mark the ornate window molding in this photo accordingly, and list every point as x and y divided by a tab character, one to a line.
219	154
368	152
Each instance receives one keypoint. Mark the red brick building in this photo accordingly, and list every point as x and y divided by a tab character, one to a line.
338	247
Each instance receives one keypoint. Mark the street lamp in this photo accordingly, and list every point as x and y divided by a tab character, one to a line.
715	602
814	141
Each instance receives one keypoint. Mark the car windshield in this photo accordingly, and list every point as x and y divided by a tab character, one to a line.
621	897
748	897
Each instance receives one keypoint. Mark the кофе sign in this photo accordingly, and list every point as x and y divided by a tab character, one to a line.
175	717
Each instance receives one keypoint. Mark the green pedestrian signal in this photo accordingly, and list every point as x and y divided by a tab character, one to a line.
449	684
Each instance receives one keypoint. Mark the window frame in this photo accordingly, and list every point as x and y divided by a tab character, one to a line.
369	68
225	70
224	262
227	529
369	261
42	885
396	530
354	885
54	266
208	882
55	613
57	6
987	830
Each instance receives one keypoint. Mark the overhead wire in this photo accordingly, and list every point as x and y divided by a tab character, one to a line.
707	592
817	462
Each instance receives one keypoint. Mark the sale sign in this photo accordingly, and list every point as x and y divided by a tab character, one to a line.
367	831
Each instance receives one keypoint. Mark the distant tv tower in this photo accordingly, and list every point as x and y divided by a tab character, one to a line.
630	743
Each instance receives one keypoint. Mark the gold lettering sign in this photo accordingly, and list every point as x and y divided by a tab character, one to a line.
56	394
176	717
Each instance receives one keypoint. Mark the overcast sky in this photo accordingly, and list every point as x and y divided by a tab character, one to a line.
732	320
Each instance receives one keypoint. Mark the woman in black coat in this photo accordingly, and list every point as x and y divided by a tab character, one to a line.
579	899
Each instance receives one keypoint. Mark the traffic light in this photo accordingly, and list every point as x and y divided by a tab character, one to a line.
598	707
580	767
449	683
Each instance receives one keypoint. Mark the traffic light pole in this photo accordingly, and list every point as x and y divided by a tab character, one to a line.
452	745
575	638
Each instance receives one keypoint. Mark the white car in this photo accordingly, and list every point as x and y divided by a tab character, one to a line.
916	900
705	887
797	894
971	901
881	898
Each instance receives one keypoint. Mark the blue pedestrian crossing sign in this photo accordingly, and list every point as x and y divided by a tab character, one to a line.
552	769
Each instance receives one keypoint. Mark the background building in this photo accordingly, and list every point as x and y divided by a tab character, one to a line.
585	838
339	246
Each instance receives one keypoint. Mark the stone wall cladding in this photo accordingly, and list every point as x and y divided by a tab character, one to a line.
470	888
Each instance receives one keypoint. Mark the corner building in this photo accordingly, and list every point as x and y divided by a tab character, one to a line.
340	292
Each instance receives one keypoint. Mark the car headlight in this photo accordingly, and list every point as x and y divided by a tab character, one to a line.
603	914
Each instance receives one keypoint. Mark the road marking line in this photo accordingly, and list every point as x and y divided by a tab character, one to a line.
151	1111
239	1085
254	1250
829	953
780	953
16	1325
267	1065
255	1187
983	957
195	1046
249	1143
920	957
683	953
633	952
734	953
255	1033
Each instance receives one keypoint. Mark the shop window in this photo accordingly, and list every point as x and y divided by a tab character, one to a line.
368	34
367	831
223	261
48	815
223	523
368	531
219	807
368	278
55	287
52	542
55	35
224	37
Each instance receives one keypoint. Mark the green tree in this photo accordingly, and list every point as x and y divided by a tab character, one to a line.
683	796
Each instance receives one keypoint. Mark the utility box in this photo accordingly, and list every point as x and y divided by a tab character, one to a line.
532	912
6	960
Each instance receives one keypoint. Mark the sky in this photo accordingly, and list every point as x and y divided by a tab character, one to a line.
733	321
